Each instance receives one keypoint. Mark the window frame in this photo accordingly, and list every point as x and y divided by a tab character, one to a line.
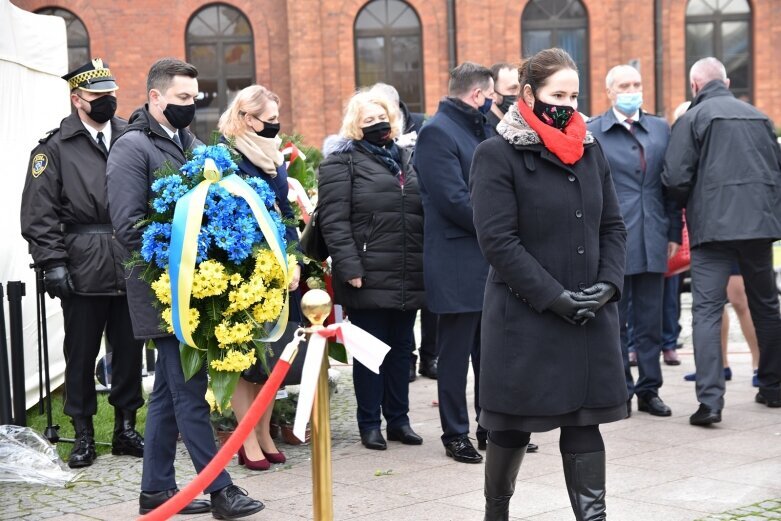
717	18
554	25
387	33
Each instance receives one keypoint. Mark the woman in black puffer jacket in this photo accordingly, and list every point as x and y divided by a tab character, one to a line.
372	221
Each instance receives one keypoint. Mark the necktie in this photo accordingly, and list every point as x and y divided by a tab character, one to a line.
101	143
177	140
633	130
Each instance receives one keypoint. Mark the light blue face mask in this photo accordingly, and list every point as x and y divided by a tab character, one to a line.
629	102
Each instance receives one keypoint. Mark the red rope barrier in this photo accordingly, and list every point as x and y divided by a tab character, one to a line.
225	454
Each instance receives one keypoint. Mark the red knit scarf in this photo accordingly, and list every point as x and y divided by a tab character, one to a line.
566	145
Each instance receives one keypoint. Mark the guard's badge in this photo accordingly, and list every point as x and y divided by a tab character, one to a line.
40	162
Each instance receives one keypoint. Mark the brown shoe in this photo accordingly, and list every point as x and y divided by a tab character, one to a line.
671	357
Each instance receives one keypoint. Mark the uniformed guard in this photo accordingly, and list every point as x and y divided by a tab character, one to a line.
65	220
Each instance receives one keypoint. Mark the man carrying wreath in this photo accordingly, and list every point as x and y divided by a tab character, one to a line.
157	133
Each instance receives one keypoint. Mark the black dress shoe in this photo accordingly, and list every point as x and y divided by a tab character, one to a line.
373	440
531	447
404	434
462	450
705	416
653	405
428	368
769	397
149	501
232	502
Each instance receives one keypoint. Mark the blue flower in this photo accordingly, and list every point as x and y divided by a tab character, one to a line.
219	153
155	242
262	188
168	189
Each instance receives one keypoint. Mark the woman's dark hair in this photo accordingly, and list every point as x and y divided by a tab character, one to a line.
536	70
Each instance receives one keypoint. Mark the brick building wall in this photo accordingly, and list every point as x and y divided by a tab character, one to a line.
304	49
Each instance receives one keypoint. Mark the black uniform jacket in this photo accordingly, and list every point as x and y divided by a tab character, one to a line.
64	190
142	149
545	227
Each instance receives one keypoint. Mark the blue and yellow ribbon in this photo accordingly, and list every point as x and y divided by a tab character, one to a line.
183	250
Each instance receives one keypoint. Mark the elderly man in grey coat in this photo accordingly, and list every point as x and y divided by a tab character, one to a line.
724	164
634	143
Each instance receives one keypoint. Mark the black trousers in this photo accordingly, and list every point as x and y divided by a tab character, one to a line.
710	270
387	392
85	320
458	337
428	349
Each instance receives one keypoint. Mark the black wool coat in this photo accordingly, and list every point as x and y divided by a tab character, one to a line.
545	227
373	229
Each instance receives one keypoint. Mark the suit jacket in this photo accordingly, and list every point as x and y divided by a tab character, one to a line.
651	219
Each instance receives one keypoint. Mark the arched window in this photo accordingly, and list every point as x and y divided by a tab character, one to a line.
388	49
721	28
78	38
559	23
220	44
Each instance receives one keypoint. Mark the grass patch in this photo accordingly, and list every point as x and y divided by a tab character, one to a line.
103	422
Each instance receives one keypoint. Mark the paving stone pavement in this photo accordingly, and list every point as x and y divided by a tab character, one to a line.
659	469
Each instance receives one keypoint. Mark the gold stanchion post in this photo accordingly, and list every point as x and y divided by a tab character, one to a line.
316	306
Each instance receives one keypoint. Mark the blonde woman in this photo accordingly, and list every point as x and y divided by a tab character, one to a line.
252	124
372	221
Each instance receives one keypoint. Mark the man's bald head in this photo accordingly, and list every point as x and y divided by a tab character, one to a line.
706	70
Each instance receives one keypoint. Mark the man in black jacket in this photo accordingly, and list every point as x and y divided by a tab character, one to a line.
65	220
724	165
157	133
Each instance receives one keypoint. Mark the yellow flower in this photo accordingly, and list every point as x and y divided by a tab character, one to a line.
162	288
193	319
234	361
209	280
212	401
238	333
235	279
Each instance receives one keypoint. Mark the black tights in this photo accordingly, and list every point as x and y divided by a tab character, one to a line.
573	440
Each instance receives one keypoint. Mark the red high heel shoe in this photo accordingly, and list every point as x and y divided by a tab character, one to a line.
275	457
262	464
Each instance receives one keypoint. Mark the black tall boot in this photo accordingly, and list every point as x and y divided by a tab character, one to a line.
585	476
501	471
83	453
127	441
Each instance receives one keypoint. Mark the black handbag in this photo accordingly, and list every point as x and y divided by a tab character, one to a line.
257	374
312	242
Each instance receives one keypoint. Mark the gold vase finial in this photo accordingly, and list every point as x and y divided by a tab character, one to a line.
316	306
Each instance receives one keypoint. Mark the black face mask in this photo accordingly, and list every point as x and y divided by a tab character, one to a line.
102	109
377	134
270	130
179	116
507	101
556	116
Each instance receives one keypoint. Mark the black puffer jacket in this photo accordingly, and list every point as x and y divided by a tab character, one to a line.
65	188
373	229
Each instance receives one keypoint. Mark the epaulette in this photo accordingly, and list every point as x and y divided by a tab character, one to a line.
48	135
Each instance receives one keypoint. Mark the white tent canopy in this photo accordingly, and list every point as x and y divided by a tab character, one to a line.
33	57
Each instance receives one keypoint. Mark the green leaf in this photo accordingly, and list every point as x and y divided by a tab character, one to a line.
192	359
337	351
223	383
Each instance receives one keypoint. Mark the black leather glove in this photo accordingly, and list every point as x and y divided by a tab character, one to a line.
602	292
573	311
57	282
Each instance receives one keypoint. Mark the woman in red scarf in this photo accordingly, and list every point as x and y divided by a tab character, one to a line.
549	224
